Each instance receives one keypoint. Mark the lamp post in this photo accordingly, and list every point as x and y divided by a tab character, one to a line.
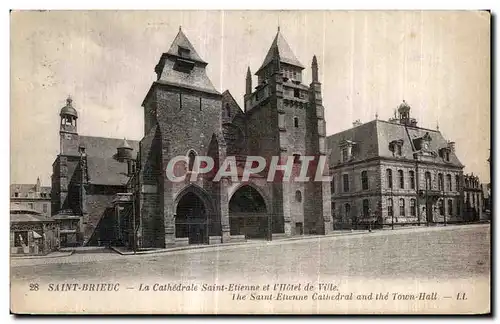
392	206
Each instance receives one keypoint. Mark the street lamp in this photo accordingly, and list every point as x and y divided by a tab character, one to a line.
392	206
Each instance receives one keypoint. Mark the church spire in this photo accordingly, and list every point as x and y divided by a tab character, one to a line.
314	67
248	82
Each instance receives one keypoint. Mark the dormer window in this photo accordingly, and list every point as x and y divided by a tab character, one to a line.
346	150
444	153
396	147
183	51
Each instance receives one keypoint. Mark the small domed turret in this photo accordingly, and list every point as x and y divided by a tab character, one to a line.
68	118
68	110
124	151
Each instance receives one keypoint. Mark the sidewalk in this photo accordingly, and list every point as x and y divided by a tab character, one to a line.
57	254
124	251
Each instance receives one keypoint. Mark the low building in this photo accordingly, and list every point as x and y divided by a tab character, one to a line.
473	198
32	233
32	196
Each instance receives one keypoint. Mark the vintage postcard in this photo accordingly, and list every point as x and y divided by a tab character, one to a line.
250	162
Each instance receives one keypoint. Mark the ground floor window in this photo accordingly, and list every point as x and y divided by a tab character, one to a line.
413	210
450	206
389	207
20	238
401	207
366	207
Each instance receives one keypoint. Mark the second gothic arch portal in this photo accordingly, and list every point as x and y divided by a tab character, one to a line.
248	214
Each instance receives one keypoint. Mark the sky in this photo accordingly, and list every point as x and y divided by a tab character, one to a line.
369	61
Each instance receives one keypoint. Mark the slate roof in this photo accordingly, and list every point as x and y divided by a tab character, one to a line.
286	54
106	171
182	41
103	168
24	189
372	141
21	214
104	147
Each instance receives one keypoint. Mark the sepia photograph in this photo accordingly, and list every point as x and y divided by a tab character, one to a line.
250	162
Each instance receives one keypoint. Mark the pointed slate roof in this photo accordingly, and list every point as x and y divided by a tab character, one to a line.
182	41
286	54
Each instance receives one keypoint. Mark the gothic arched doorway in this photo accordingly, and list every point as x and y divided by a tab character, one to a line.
248	214
192	219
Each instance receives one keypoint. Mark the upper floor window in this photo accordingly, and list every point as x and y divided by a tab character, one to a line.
332	185
296	93
30	205
440	182
457	182
345	178
389	178
45	208
228	110
191	157
295	121
448	182
16	194
401	179
412	179
428	184
364	180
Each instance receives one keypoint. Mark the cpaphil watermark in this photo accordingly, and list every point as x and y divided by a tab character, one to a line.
274	169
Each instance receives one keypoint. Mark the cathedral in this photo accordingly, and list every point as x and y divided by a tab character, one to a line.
116	192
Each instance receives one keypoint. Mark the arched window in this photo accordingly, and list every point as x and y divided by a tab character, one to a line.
296	121
389	178
366	208
298	196
389	207
401	179
364	180
228	110
440	182
332	185
450	206
448	182
413	210
428	184
347	209
345	178
401	207
191	157
412	179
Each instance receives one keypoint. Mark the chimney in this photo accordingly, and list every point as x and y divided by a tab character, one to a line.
451	145
357	123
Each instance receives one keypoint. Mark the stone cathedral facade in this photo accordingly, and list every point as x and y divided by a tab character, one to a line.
113	191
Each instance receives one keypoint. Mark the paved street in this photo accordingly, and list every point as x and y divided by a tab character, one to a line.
453	252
